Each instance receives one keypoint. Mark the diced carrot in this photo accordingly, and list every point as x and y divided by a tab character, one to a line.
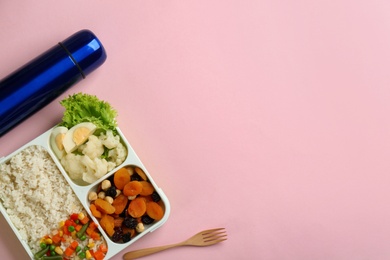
95	235
91	228
68	251
74	244
78	227
69	222
56	238
103	248
66	230
85	220
89	231
92	225
99	255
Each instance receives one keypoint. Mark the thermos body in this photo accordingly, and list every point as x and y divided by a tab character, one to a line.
44	78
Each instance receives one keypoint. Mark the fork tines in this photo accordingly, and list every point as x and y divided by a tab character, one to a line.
215	235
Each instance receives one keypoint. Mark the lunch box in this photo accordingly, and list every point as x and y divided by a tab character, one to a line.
82	191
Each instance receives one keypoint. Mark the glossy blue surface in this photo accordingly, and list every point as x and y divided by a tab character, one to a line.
44	78
86	49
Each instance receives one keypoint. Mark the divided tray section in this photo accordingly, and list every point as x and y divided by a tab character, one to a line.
125	221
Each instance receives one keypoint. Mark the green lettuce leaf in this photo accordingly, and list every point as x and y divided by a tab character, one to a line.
83	107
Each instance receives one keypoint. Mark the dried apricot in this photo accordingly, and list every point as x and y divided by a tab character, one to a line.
96	213
141	173
104	207
147	188
121	178
108	224
120	203
154	210
132	188
137	207
118	222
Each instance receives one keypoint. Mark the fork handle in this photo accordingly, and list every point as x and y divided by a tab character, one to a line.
148	251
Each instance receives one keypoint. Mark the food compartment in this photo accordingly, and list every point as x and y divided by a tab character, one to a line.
86	154
127	204
43	210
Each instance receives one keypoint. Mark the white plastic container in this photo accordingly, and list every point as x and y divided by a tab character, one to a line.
82	192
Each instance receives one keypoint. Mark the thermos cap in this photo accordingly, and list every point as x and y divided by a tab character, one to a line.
86	51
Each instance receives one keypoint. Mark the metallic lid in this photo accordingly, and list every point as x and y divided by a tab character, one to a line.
85	50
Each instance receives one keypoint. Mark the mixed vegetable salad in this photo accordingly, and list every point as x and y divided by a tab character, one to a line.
76	238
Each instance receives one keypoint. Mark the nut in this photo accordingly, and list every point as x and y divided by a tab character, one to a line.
106	184
101	195
131	197
92	196
140	227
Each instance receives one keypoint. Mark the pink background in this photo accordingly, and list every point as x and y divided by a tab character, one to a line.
269	118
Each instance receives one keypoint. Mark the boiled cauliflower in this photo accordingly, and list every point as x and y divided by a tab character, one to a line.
93	148
109	140
95	168
118	154
73	165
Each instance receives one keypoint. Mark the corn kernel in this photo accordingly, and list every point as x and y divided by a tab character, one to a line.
61	233
58	250
73	234
88	254
90	245
48	241
61	224
81	216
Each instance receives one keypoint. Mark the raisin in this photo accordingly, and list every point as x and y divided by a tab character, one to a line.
146	219
130	222
136	177
117	235
111	192
155	197
126	237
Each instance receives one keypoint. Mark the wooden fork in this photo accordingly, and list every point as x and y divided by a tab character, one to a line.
204	238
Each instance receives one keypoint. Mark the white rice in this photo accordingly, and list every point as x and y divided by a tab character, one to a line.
35	194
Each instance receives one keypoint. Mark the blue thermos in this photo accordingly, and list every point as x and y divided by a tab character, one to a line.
44	78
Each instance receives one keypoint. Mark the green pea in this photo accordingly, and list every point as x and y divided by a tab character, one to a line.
71	228
78	248
82	255
52	247
83	237
42	245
